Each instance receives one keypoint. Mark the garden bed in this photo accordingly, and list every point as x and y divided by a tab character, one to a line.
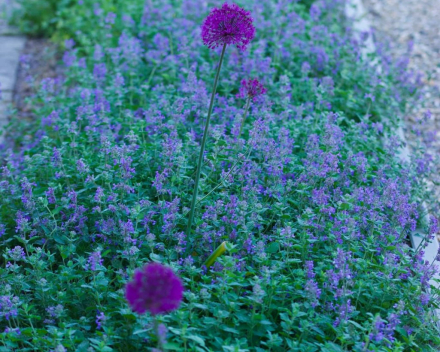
310	200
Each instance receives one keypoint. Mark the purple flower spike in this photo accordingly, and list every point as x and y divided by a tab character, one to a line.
154	288
251	88
229	24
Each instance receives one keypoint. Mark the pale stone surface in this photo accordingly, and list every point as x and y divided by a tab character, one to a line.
355	9
6	9
10	50
416	23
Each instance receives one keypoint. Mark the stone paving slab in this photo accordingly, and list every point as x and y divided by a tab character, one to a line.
11	47
10	51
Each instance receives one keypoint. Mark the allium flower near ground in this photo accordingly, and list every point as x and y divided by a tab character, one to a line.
154	288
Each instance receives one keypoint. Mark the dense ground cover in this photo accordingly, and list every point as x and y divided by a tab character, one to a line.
312	200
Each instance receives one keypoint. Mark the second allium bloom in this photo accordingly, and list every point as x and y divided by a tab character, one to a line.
251	88
228	25
154	288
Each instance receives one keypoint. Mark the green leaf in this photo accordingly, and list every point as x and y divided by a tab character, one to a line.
196	339
273	247
137	332
232	330
57	210
61	239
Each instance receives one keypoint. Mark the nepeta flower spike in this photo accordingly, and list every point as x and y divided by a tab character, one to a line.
227	25
250	89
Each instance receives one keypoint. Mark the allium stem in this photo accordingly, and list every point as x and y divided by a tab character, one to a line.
246	109
221	180
202	148
157	332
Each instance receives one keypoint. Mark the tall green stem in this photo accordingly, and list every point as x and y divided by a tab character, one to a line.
246	109
202	148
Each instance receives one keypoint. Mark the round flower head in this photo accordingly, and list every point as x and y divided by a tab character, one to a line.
154	288
251	88
229	24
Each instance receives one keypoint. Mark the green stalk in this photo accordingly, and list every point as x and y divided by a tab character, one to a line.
202	148
246	109
217	253
156	331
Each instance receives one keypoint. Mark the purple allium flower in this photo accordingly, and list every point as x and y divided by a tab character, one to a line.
251	88
155	288
227	25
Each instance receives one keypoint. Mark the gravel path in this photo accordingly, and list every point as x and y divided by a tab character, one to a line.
402	22
416	23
